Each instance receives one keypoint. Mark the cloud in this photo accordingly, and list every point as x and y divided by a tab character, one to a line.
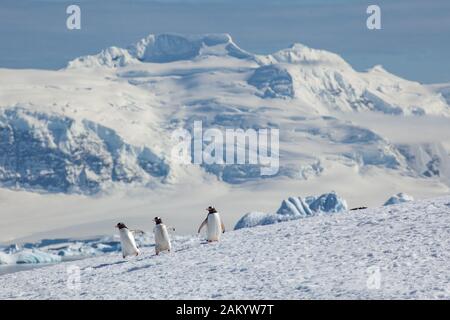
405	129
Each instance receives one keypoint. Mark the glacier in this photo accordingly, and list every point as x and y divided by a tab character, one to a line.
48	152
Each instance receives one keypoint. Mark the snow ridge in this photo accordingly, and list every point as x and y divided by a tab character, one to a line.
164	48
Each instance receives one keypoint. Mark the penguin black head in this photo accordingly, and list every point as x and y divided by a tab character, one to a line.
157	220
121	225
211	209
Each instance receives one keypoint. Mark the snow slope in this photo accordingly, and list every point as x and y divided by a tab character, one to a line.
394	252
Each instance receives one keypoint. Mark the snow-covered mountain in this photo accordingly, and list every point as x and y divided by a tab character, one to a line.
392	252
63	154
107	118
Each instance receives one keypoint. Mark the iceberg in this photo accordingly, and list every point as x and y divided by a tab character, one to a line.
28	257
398	198
256	218
328	202
295	208
6	258
36	256
59	250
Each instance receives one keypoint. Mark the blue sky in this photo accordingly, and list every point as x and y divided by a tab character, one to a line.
414	42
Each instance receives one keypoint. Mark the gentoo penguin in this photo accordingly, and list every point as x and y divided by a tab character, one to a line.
162	241
214	225
127	241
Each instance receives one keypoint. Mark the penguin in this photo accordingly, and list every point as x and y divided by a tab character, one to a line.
214	226
127	241
162	240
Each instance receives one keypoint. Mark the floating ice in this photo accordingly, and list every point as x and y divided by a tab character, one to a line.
398	198
35	256
295	208
28	256
57	250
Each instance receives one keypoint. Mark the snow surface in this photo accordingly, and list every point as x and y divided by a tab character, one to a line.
323	257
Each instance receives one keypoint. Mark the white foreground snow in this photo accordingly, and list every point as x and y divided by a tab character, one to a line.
400	251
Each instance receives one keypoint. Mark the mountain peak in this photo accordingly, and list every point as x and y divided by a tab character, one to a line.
165	47
299	53
377	68
168	47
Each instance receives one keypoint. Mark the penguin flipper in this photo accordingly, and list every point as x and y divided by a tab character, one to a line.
202	225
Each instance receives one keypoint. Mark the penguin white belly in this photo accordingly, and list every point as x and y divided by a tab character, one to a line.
162	241
214	227
128	243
